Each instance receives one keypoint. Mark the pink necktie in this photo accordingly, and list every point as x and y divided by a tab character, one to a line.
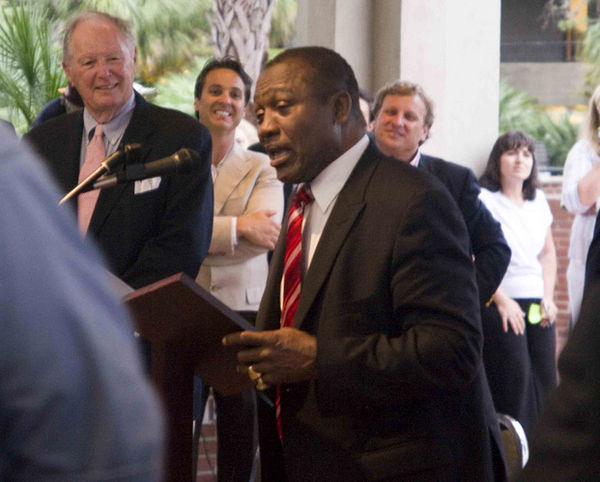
292	270
86	202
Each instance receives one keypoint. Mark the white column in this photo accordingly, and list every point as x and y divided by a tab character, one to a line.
342	25
450	47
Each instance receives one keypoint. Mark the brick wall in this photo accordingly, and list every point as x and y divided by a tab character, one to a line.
207	449
561	231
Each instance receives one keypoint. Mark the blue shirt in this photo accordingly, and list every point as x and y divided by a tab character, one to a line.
74	402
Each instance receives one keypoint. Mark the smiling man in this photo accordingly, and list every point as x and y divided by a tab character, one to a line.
149	229
403	118
371	352
248	207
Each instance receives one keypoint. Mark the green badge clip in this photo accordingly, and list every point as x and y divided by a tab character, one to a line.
535	313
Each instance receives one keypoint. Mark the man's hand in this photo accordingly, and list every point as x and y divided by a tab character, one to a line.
259	228
286	355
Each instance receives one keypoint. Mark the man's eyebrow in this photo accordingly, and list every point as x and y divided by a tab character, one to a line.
279	90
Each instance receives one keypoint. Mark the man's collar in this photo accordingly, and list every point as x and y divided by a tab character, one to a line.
114	124
329	182
416	158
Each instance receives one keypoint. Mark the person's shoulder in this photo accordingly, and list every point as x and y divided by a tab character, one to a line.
55	128
169	114
255	157
581	145
406	180
443	167
540	196
485	194
172	122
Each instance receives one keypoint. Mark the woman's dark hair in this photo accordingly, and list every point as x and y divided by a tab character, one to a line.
490	179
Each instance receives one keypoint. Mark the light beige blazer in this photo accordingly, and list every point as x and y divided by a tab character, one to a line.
236	273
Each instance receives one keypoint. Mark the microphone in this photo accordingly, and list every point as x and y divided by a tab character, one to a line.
184	161
105	167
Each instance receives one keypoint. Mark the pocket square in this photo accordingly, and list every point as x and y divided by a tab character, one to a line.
146	185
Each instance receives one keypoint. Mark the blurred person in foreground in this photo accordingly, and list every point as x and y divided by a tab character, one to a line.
74	403
566	437
370	354
148	229
520	342
247	208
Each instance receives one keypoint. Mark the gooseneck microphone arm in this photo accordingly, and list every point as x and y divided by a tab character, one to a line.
105	167
184	161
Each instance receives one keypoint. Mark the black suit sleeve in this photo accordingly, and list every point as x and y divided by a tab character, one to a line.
185	226
431	341
492	254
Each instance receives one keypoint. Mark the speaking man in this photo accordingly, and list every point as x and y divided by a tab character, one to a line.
371	338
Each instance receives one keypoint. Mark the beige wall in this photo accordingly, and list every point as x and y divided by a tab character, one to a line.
451	47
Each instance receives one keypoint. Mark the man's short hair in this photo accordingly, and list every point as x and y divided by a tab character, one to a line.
327	72
123	26
404	88
223	63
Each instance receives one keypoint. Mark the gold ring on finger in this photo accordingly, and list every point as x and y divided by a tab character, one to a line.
260	384
253	374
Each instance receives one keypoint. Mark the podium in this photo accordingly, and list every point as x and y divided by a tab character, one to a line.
184	325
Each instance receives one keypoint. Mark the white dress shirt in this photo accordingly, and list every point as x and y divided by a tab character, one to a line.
326	188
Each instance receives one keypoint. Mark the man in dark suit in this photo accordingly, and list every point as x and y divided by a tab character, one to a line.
151	228
403	118
566	437
376	375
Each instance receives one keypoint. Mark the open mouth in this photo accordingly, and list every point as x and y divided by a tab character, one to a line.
222	113
277	155
105	88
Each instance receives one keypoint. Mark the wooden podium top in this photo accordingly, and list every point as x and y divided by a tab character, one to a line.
177	312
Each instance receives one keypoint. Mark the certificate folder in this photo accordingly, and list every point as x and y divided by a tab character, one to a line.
177	312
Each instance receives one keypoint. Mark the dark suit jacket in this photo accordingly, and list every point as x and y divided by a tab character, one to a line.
566	438
144	237
392	299
491	251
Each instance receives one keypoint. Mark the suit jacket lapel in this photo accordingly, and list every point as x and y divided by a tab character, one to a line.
424	163
349	204
138	130
269	313
231	173
66	168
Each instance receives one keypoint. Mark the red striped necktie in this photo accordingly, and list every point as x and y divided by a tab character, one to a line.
292	270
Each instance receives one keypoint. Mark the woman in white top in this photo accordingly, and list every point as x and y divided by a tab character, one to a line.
580	194
519	338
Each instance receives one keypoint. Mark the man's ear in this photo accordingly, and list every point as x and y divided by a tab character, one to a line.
342	103
67	71
424	135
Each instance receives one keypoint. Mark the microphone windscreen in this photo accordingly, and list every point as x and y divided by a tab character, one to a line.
189	160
